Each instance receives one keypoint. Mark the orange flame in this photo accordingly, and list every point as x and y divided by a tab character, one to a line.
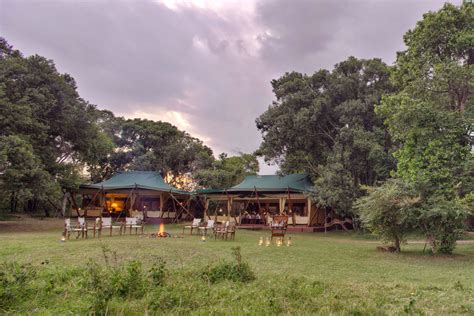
162	229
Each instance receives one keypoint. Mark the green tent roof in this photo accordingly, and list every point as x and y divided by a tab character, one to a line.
293	182
299	182
147	180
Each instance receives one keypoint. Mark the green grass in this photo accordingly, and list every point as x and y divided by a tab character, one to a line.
333	273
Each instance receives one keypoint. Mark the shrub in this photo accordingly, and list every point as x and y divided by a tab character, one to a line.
129	280
443	222
97	283
386	211
15	283
237	271
158	272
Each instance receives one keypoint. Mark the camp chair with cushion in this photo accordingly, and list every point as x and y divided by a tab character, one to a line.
230	231
209	226
85	227
106	223
194	225
279	225
68	228
133	222
220	231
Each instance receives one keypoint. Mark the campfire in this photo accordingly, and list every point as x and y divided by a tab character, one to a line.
160	233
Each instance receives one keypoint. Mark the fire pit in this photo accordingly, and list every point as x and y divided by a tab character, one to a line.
160	233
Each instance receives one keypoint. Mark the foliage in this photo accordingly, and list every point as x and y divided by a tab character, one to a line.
237	271
227	171
51	128
387	211
15	283
443	222
434	144
325	125
437	65
50	136
430	122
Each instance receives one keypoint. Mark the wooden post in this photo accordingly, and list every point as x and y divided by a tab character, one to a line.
229	206
309	211
325	219
162	203
282	203
102	201
73	200
290	208
258	200
206	207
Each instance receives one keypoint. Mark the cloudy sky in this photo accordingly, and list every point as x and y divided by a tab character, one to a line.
203	65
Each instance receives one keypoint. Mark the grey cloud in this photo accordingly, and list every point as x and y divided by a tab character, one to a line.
140	55
308	35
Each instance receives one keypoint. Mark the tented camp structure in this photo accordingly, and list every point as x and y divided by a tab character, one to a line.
134	193
257	198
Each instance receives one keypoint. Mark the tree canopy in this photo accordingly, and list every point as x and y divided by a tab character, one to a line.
325	124
51	139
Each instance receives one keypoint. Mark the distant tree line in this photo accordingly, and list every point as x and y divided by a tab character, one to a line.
51	140
389	146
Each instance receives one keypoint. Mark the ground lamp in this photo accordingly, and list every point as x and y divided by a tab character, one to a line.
260	242
267	242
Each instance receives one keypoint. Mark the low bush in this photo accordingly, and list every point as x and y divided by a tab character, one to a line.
15	284
237	270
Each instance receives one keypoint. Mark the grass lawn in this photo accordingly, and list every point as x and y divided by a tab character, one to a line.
333	273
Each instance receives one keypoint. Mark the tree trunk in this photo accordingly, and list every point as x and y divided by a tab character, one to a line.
432	242
13	202
397	244
64	204
46	210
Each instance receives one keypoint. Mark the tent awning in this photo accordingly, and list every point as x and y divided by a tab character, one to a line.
145	180
295	183
274	183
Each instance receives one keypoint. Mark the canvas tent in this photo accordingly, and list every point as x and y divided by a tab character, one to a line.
131	192
262	196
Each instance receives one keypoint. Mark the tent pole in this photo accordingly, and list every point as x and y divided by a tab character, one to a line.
229	205
290	208
184	208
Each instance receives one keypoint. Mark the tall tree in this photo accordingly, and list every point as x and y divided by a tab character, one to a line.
227	171
156	146
325	124
42	113
429	119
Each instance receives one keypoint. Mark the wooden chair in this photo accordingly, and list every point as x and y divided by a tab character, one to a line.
82	223
106	223
68	228
220	231
230	231
278	226
194	225
209	226
133	222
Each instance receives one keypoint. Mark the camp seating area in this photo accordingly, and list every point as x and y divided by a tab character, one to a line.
220	230
101	225
225	231
208	226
